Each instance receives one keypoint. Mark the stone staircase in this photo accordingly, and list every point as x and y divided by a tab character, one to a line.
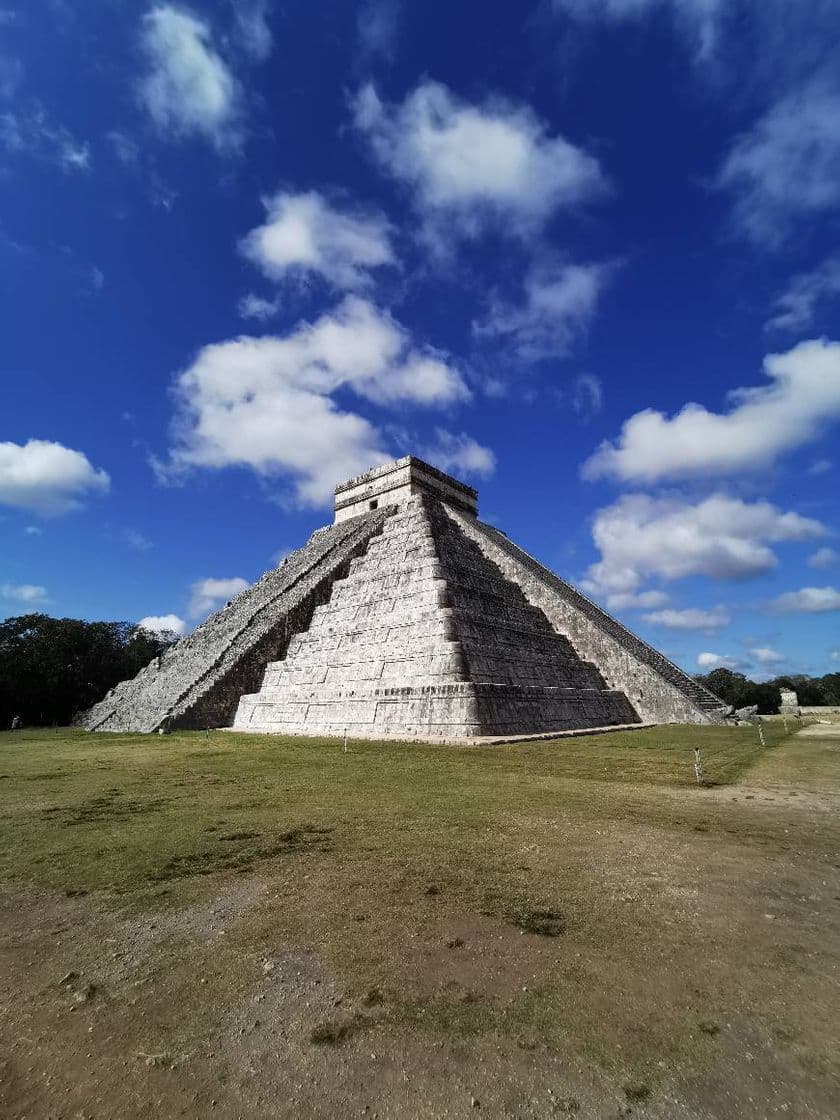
197	682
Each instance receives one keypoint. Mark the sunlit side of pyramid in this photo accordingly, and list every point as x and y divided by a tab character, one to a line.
408	618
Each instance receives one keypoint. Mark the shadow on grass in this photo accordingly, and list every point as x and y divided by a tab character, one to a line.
241	851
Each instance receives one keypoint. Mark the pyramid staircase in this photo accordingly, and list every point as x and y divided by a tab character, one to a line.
197	682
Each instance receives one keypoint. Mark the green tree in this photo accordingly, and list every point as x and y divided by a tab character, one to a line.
51	668
830	685
732	688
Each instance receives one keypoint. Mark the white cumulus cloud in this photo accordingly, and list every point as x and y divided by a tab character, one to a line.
188	89
305	235
691	618
208	594
640	536
47	477
808	600
163	624
267	403
787	166
474	166
558	306
763	423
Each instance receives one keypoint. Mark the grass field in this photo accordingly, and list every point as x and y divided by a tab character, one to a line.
248	926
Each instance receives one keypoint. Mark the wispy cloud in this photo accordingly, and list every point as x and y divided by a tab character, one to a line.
377	26
808	600
31	594
587	395
559	303
796	307
188	89
460	454
707	621
708	661
31	133
252	27
787	166
252	306
136	540
824	558
698	20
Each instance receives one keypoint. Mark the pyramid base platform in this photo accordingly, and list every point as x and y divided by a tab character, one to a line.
442	712
450	740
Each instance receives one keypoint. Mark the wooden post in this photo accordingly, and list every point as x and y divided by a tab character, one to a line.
784	721
345	740
698	766
761	735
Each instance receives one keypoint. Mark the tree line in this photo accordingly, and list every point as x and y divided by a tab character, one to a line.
739	691
51	668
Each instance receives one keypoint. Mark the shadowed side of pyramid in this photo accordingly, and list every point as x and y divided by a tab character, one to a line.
658	689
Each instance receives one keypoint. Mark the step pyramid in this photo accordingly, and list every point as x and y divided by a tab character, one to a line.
410	619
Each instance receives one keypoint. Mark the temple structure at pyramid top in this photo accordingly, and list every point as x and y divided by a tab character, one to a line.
398	481
408	618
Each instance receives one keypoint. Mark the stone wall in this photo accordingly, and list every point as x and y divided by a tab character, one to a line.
659	690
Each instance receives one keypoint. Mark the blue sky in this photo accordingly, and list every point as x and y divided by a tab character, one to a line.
583	253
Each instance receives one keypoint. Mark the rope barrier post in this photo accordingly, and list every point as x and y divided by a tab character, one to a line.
698	766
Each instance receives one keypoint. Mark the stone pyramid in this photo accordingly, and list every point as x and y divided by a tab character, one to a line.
408	619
